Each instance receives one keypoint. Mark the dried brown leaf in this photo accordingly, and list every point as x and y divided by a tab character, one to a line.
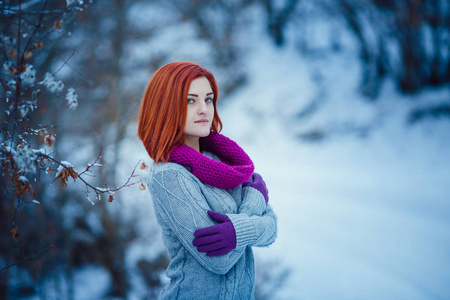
57	25
73	173
12	70
21	68
15	233
143	166
20	187
12	53
64	174
142	187
27	54
111	198
49	139
44	160
39	44
8	162
31	190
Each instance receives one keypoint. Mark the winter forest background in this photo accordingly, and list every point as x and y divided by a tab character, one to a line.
343	105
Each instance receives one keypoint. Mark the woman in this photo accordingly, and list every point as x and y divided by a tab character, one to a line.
210	205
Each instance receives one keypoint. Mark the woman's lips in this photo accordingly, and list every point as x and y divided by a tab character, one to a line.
202	121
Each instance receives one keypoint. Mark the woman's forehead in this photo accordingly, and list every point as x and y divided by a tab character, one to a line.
200	85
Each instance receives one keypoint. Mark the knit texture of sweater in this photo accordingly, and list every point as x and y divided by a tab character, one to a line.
181	203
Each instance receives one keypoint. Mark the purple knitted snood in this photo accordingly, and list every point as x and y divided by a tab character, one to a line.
235	166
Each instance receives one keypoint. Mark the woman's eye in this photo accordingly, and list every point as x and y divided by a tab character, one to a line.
190	101
209	100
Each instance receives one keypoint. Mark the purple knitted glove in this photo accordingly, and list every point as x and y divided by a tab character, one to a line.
218	239
258	183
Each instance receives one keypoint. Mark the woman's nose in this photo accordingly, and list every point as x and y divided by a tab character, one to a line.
202	109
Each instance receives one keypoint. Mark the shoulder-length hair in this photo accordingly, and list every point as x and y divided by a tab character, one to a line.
163	110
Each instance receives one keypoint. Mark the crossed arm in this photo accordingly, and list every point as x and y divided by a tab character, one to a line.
183	207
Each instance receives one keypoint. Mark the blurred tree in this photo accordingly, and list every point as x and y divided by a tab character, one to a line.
219	24
278	15
402	39
405	40
31	35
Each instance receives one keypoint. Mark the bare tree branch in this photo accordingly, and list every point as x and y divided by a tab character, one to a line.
28	258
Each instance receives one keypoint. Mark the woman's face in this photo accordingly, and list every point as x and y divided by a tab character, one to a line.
200	110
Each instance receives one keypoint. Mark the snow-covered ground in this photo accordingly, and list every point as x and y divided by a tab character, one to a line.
359	217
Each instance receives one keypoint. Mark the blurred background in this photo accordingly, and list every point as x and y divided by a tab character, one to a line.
344	107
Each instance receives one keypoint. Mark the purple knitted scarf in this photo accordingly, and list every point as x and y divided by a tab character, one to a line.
235	166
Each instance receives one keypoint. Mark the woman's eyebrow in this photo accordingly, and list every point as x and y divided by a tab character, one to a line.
195	95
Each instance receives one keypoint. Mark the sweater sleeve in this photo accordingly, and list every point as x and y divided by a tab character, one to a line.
253	203
183	207
264	228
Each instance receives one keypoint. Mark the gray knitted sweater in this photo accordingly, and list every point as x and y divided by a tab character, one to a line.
181	203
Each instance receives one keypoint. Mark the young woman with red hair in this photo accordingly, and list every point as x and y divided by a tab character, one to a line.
211	207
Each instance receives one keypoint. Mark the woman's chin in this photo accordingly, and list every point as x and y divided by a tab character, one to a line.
204	133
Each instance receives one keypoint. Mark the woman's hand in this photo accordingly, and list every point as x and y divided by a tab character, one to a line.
258	183
218	239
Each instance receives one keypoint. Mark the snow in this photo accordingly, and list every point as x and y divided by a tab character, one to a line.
93	282
40	151
359	217
64	164
71	98
6	66
24	159
51	84
29	76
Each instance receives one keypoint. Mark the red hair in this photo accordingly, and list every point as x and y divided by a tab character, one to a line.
163	110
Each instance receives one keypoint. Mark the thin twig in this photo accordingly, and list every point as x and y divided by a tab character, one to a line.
67	168
34	32
96	189
90	165
5	87
83	76
19	204
131	176
28	258
66	62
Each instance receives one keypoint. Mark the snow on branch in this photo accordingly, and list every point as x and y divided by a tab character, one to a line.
23	43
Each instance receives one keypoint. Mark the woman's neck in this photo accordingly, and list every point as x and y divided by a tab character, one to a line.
192	142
